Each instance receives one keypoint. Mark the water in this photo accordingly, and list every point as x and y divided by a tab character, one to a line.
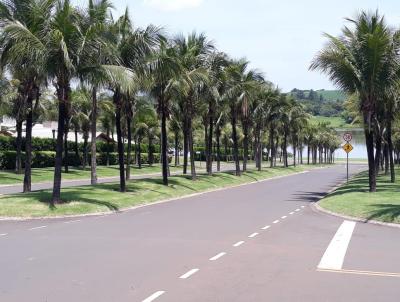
358	143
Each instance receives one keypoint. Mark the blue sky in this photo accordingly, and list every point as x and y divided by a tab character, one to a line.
279	37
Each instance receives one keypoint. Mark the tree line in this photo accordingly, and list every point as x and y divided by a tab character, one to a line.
85	69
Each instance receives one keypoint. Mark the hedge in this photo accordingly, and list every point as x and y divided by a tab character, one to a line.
44	159
48	144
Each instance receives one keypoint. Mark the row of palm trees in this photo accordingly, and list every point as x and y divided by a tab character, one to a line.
364	61
96	64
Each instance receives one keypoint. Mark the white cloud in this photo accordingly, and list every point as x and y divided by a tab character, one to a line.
172	5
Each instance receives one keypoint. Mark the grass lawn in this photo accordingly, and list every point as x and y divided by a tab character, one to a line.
105	197
353	199
334	121
47	174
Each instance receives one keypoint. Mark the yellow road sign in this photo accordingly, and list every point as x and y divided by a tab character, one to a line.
348	148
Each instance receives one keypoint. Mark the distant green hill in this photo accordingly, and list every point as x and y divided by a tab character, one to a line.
321	102
332	95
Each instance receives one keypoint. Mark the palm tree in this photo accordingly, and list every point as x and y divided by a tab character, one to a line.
23	53
363	60
164	69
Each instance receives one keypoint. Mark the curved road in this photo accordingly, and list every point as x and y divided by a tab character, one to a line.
259	242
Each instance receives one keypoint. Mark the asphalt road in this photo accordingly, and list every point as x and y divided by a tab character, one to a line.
259	242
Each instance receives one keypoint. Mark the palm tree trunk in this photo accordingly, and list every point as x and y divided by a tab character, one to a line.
245	145
218	138
176	148
66	160
76	143
285	156
63	99
185	145
18	160
139	154
28	146
108	148
93	130
164	141
378	151
271	143
210	137
369	141
191	150
129	149
85	150
390	147
150	155
235	140
117	102
206	153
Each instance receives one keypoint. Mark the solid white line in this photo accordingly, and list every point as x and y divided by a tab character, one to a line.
266	227
216	257
283	217
189	273
334	255
253	235
297	210
40	227
4	234
72	221
154	296
276	221
238	243
291	213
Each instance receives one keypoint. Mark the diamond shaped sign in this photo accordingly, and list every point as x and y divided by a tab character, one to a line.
347	148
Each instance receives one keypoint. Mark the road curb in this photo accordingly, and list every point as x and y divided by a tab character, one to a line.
152	203
316	206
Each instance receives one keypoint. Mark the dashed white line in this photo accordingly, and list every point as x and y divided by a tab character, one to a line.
238	243
189	273
303	207
297	210
284	217
266	227
253	235
334	255
39	227
4	234
154	296
276	221
291	213
216	257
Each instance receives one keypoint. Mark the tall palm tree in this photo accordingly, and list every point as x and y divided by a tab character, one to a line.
23	53
363	60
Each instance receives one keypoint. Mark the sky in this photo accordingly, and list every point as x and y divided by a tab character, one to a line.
279	38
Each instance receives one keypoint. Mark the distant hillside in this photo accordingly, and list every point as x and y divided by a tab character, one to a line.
321	102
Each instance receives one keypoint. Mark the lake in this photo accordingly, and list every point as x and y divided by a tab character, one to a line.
358	142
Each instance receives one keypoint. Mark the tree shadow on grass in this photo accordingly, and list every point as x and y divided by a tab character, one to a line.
68	197
386	210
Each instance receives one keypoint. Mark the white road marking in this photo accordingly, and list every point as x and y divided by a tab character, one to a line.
216	257
283	217
356	272
334	255
303	207
297	210
72	221
154	296
4	234
189	273
40	227
291	213
253	235
276	221
266	227
238	243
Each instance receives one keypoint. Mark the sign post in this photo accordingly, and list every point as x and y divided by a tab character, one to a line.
347	148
